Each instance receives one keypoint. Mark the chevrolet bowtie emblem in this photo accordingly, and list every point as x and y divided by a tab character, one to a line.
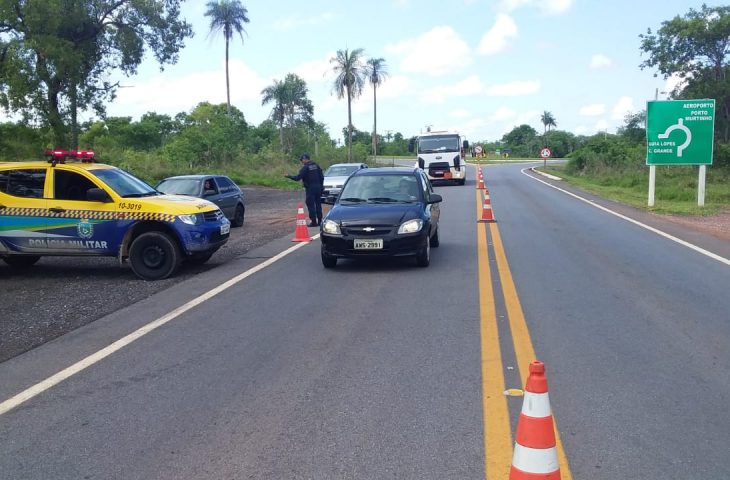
369	229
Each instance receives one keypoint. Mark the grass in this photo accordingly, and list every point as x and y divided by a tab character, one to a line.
675	189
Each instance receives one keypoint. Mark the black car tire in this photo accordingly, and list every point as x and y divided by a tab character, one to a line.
238	216
423	258
21	261
435	242
154	256
328	260
199	258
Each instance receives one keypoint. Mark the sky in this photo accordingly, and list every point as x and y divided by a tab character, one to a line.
479	67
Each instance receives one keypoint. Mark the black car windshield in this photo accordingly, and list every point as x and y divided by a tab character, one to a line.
387	188
340	170
438	143
123	183
180	186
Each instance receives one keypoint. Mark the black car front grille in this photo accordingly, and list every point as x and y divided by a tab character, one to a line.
214	216
367	231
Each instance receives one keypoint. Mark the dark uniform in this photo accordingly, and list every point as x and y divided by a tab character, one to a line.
313	179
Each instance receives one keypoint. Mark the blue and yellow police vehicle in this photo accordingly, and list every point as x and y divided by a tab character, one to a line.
71	205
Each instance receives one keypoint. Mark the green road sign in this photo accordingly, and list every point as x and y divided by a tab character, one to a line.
680	132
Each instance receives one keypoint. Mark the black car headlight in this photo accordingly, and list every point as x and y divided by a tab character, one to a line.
411	226
331	227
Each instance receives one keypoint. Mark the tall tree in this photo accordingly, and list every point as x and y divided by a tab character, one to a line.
695	48
291	105
548	120
349	82
56	55
377	73
227	16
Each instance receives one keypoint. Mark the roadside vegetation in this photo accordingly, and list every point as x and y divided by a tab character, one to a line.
50	69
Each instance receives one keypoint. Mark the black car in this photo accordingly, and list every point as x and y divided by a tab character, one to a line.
384	212
218	189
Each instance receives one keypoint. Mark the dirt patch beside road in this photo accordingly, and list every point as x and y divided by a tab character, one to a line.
60	294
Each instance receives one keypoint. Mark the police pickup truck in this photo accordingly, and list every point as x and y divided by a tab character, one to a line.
83	208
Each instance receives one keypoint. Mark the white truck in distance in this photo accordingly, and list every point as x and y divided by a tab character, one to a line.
441	155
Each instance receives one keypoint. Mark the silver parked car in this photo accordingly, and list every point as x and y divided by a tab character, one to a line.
336	175
218	189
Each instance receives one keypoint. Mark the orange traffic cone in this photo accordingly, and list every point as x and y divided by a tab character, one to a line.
535	455
480	183
301	234
487	214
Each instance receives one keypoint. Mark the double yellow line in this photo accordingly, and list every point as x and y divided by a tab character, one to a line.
497	432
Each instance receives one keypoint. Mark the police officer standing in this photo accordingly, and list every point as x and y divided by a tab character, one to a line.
313	179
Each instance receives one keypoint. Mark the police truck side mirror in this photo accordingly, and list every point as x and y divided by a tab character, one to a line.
466	144
411	146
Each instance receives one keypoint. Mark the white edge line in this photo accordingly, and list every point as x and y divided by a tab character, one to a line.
98	356
707	253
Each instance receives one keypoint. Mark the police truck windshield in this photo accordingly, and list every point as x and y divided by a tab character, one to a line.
123	183
439	143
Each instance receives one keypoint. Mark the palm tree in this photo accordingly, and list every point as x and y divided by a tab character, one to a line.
349	82
227	16
548	120
276	93
377	73
291	105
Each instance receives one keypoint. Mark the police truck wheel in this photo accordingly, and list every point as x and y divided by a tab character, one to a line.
154	256
238	216
21	261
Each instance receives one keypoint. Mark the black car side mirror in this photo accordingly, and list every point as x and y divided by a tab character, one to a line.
97	195
329	200
435	198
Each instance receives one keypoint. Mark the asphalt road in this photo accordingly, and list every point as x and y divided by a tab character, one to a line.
373	370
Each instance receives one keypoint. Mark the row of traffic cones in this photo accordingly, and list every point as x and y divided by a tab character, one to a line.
487	214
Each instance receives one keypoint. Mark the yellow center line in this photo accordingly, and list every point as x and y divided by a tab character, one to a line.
524	349
497	434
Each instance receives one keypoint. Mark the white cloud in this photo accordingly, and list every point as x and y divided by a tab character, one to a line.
469	86
515	89
314	70
396	86
622	107
601	125
460	113
581	130
503	113
434	53
495	40
294	22
672	82
554	7
593	110
547	7
600	61
164	93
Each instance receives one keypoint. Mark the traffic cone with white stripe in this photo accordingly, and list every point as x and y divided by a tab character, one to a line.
535	455
480	177
487	214
301	234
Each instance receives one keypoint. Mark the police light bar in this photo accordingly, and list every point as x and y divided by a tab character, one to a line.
58	155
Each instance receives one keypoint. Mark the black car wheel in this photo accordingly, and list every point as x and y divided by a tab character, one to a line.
435	242
423	258
328	260
238	216
154	256
21	261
